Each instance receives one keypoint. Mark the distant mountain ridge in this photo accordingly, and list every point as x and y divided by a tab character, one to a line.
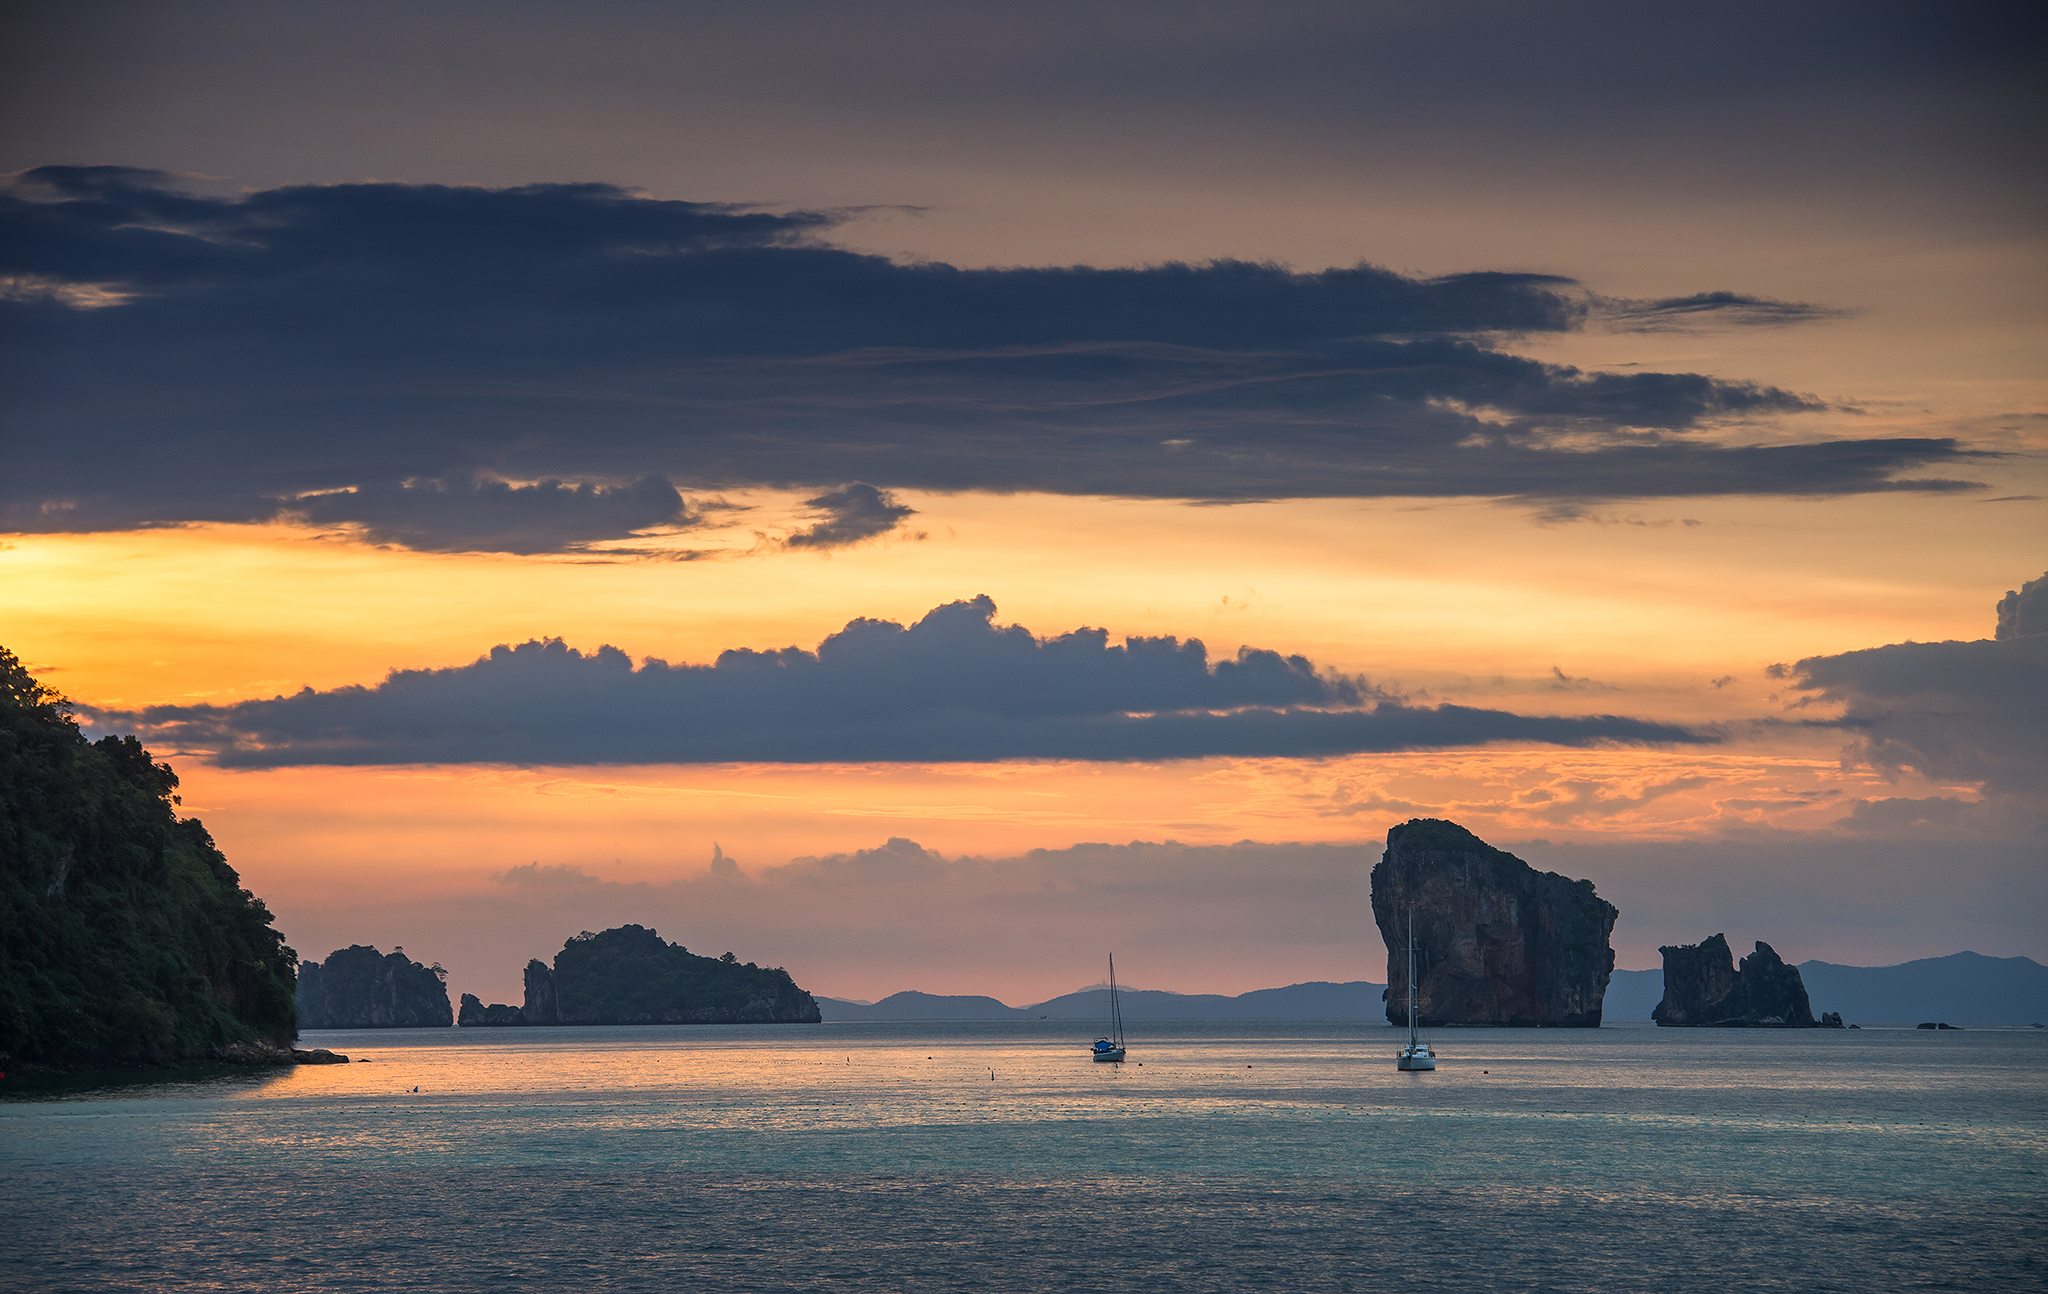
1962	988
1317	1000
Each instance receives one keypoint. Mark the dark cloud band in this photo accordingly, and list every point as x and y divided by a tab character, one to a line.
955	686
174	357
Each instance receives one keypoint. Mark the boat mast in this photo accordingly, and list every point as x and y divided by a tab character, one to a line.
1116	1006
1412	1007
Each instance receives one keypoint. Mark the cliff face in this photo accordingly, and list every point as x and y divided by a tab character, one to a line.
1496	941
541	1007
361	988
125	937
631	975
1703	986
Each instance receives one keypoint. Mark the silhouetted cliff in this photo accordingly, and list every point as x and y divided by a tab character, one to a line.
125	937
1703	986
630	975
1496	941
361	988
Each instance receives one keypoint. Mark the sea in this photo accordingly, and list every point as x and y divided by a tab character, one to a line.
860	1157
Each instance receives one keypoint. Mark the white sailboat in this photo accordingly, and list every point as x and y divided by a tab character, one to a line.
1416	1056
1111	1048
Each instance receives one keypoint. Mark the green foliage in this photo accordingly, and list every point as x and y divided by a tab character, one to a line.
125	937
1439	834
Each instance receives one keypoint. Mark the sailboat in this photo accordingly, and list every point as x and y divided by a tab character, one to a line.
1112	1048
1416	1055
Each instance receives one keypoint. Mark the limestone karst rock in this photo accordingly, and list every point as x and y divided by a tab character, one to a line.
1497	942
1704	986
631	975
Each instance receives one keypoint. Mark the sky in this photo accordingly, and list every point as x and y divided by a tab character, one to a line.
927	496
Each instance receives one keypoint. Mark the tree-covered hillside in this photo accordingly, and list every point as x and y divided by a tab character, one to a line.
125	937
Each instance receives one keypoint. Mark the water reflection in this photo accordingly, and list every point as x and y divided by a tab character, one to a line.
870	1135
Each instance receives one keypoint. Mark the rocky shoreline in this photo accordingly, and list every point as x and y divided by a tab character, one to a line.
232	1056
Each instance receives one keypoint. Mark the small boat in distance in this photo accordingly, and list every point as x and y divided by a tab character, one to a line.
1111	1048
1416	1056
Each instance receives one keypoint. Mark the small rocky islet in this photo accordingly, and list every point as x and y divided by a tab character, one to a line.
1703	986
631	975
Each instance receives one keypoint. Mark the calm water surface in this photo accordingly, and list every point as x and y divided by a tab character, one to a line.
872	1157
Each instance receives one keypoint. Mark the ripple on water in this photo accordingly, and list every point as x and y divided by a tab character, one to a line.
1235	1158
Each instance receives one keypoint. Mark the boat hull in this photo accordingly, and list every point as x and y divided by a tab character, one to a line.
1415	1058
1113	1055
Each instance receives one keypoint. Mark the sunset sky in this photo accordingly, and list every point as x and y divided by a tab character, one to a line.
928	495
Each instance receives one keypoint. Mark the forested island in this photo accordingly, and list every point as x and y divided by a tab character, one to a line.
631	975
126	940
363	988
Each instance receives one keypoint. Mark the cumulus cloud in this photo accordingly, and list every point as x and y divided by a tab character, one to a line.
188	357
1974	711
2023	613
955	686
848	516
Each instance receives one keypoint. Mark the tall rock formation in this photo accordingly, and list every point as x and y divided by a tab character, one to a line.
541	1007
359	987
1496	941
1703	986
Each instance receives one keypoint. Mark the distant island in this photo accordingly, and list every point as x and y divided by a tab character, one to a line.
1704	988
631	975
1496	941
126	940
363	988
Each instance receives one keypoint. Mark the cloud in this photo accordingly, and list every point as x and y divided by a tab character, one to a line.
1973	711
850	515
1563	682
955	686
187	357
493	516
1710	309
2023	613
